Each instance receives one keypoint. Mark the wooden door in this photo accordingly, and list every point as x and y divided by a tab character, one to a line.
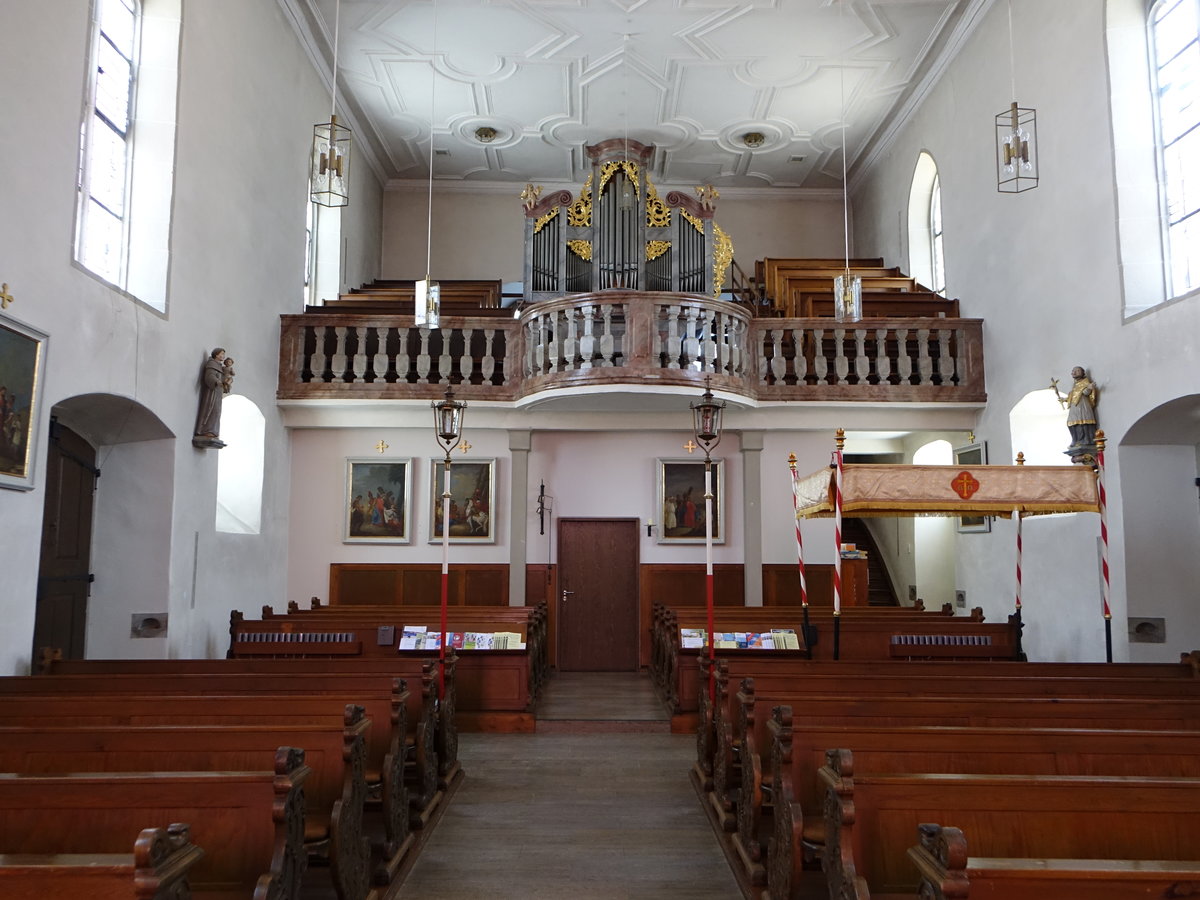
64	576
597	595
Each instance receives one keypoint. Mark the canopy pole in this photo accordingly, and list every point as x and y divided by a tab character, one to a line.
806	628
837	545
1104	584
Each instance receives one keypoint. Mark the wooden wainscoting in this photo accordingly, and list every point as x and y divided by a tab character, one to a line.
482	584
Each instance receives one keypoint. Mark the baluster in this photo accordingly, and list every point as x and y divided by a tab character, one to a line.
960	360
708	328
903	360
571	347
488	364
445	362
820	360
537	344
466	362
403	359
674	347
945	363
379	360
734	334
841	362
924	363
607	340
359	363
553	349
423	354
778	363
862	366
587	343
800	360
883	362
337	360
691	341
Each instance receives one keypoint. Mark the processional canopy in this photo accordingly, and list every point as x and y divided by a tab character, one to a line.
620	234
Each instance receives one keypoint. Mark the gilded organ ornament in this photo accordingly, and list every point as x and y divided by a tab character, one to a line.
579	213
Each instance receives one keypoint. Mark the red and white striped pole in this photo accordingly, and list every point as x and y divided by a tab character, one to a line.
837	545
445	598
1104	585
800	555
1020	550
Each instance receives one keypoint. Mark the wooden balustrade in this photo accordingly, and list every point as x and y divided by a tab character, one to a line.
634	338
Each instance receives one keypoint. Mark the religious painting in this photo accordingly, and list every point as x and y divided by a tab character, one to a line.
378	501
972	455
22	361
681	501
472	500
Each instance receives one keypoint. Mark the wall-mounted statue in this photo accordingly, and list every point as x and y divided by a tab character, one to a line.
216	377
1080	404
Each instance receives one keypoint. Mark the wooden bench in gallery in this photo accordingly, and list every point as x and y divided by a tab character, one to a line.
396	297
806	304
414	739
253	821
770	272
947	871
335	791
157	868
788	769
871	819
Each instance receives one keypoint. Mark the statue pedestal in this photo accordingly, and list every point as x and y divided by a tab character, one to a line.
207	443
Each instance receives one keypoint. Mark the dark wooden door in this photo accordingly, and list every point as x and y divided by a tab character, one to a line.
64	575
598	595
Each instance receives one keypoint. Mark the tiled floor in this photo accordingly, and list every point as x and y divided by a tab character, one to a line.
584	816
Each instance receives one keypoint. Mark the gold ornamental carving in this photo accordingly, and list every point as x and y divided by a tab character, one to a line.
658	214
698	224
582	249
655	249
610	168
541	222
579	213
722	257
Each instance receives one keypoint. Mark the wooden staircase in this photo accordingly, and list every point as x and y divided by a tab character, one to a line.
879	585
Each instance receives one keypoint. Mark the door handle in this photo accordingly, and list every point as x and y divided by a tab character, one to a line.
564	595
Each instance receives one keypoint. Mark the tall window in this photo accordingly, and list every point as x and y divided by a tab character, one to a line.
938	282
1175	37
106	141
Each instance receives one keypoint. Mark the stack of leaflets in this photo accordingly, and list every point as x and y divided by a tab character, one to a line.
775	639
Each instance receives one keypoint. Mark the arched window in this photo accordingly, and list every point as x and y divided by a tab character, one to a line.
926	260
125	179
240	467
1174	28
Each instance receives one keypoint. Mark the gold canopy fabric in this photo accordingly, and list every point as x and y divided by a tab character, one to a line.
895	490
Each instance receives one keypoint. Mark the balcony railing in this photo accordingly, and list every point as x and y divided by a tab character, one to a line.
631	338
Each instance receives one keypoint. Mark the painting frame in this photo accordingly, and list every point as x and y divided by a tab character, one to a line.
363	522
22	368
966	456
678	478
466	490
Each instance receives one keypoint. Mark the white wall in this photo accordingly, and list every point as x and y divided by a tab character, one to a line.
248	97
1042	268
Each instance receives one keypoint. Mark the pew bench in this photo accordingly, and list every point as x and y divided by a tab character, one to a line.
249	824
870	819
158	869
946	871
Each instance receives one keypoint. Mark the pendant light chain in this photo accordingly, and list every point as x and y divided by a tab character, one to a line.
432	104
845	185
337	24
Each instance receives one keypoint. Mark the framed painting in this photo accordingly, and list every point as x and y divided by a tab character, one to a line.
972	455
378	501
681	500
472	500
22	361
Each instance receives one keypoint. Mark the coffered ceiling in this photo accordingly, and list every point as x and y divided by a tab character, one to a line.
740	93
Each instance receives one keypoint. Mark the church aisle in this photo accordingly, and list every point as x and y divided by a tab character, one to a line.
584	816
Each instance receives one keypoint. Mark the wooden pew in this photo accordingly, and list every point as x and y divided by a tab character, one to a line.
875	304
946	871
425	729
870	819
334	747
158	869
249	824
789	766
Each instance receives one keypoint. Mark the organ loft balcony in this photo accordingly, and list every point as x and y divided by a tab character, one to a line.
628	295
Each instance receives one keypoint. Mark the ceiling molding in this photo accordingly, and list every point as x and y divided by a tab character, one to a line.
405	185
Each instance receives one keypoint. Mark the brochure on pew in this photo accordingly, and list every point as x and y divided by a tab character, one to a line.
775	639
421	637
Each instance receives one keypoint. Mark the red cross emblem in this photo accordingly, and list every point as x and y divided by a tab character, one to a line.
964	485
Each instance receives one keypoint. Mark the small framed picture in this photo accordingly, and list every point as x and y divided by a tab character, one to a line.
22	361
681	499
472	500
968	456
378	501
